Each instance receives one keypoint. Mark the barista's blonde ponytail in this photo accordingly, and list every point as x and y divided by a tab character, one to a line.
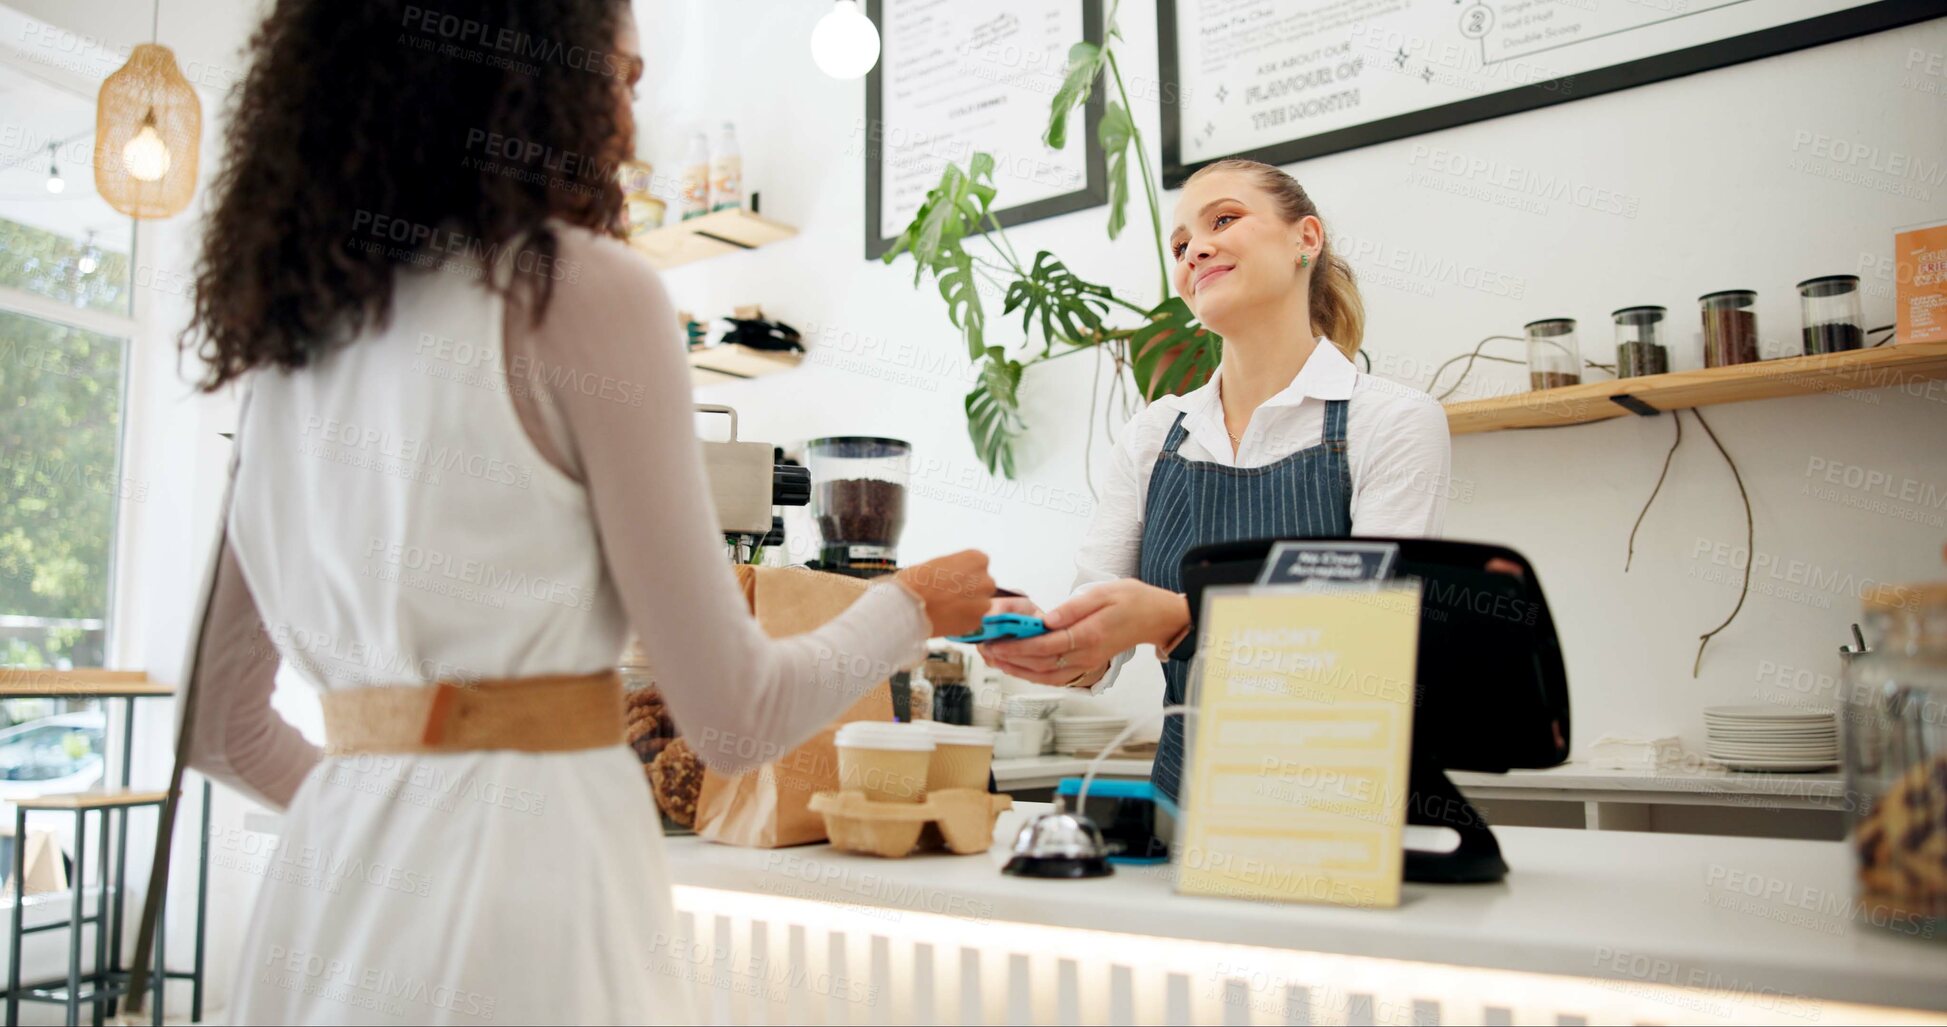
1336	309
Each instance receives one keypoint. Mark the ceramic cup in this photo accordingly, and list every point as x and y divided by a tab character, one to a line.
1033	734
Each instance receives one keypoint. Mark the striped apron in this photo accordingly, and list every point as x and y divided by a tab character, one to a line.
1195	502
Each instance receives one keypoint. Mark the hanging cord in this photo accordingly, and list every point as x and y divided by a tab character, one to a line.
1677	419
1750	531
1088	428
1470	358
1088	776
1750	544
1478	355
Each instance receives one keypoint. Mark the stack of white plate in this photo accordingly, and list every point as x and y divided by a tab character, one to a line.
1086	734
1771	738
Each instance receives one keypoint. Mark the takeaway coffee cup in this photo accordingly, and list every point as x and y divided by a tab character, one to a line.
887	762
961	756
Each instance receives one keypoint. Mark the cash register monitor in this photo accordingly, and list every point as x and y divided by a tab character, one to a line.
1491	690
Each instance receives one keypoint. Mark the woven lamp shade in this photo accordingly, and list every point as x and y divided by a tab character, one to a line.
147	92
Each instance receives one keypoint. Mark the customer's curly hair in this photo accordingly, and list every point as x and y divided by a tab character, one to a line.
370	136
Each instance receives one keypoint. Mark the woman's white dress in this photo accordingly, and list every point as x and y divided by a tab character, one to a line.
396	525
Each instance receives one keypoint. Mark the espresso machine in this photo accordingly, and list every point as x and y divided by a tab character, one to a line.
748	481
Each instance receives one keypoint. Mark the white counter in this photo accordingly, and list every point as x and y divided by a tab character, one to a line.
1627	926
1614	799
1047	771
1688	785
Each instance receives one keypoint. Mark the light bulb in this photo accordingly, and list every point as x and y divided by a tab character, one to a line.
146	156
55	183
845	44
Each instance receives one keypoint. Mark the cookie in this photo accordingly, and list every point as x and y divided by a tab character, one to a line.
1902	843
676	779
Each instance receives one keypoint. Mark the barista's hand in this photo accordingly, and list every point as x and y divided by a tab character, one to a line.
1089	630
1014	604
954	589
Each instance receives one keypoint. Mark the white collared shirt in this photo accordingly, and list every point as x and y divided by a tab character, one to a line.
1396	443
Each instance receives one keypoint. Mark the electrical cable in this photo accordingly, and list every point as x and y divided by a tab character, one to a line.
1750	544
1630	558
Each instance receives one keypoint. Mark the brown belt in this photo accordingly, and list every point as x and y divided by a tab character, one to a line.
535	714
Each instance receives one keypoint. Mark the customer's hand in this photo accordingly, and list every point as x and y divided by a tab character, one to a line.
1089	630
955	590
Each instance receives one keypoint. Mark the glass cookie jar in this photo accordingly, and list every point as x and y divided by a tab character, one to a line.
1896	760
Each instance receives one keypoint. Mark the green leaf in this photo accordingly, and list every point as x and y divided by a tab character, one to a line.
1084	63
1068	309
981	168
1161	367
953	209
1115	132
994	412
960	290
940	223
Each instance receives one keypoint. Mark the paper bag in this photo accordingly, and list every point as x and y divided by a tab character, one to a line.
769	807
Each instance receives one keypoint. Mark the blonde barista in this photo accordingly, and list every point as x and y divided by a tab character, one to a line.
1288	439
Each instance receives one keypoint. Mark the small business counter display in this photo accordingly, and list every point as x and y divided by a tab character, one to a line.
1490	689
1572	926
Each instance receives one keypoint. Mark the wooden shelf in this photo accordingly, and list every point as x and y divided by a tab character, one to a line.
712	235
715	365
25	683
1883	367
118	798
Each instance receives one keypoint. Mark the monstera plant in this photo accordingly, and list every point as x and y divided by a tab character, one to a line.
1061	312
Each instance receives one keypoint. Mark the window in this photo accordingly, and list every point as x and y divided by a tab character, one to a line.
61	753
66	304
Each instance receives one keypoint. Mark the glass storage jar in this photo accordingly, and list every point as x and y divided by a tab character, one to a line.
674	771
1830	309
1639	342
1895	727
858	498
1730	327
1554	357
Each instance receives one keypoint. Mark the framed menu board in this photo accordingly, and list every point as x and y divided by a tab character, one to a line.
956	78
1281	82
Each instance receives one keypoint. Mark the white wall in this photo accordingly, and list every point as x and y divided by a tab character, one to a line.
1727	176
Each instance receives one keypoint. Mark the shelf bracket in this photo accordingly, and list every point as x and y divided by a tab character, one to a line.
1635	406
727	242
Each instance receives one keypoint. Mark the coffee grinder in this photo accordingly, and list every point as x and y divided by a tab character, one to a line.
858	498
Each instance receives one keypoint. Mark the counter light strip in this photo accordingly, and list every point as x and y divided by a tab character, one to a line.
1332	980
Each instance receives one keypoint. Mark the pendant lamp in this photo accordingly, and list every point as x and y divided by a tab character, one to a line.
148	133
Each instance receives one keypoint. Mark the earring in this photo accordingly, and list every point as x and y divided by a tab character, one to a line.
1304	260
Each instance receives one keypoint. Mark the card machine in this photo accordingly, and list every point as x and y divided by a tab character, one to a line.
997	626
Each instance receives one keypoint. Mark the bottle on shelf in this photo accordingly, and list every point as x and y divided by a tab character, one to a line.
696	178
726	170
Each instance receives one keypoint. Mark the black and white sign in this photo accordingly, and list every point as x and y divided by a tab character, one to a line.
1291	563
1281	81
957	78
